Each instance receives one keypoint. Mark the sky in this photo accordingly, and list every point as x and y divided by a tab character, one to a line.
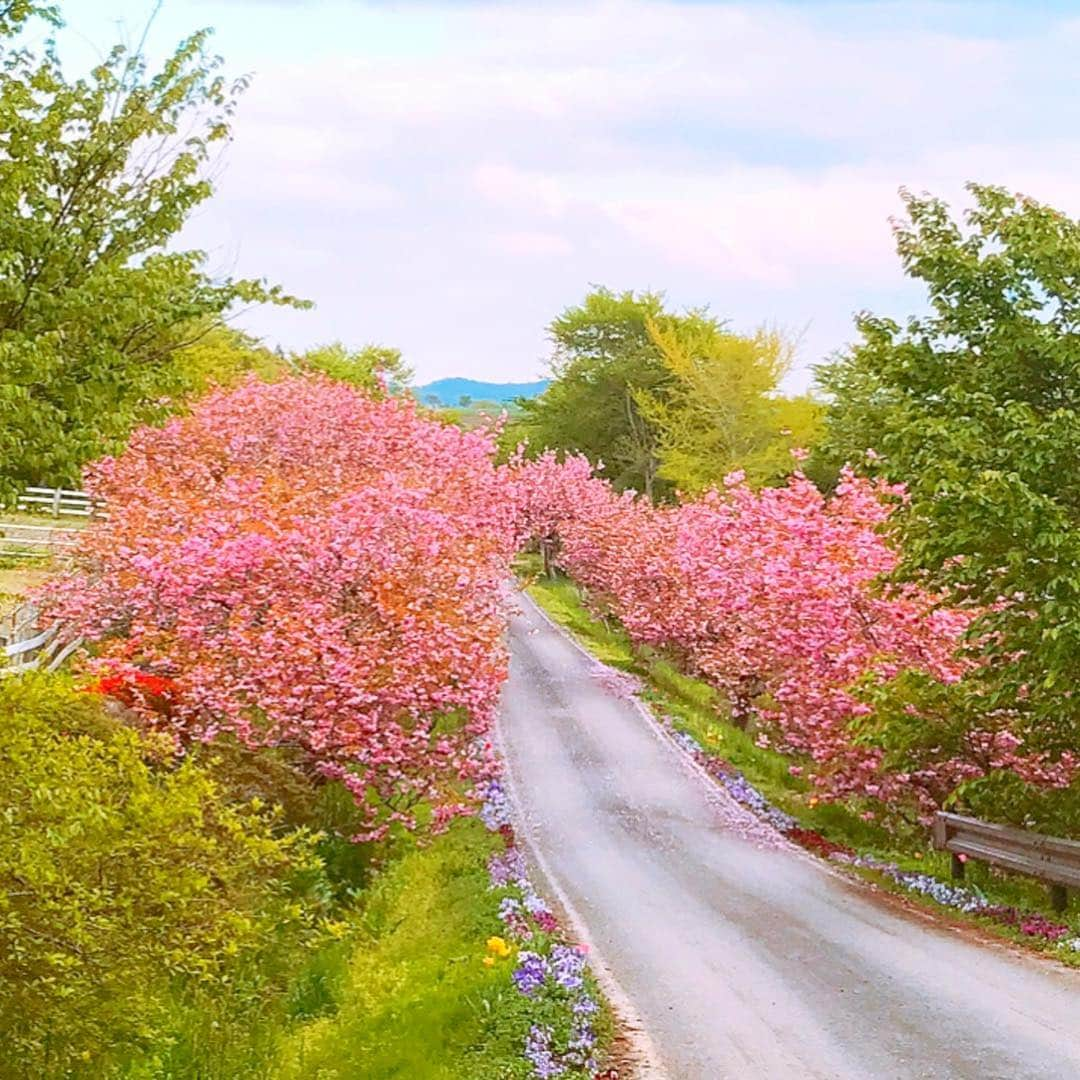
446	177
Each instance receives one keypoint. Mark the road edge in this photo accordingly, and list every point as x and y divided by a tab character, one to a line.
643	1055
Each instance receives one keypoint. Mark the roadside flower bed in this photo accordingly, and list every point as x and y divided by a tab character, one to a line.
959	897
551	973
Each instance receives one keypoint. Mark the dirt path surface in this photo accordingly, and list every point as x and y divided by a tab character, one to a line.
739	958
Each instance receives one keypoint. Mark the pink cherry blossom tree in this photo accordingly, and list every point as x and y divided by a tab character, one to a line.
311	567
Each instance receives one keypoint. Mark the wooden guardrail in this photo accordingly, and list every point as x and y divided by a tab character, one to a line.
1047	858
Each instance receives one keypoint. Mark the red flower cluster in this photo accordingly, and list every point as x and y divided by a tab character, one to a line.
814	842
138	688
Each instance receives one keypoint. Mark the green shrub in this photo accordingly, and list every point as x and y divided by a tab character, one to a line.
287	778
124	875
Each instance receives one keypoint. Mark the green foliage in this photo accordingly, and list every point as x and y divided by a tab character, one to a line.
720	411
603	359
123	877
976	407
1002	796
665	401
14	13
920	722
156	920
223	357
97	176
370	367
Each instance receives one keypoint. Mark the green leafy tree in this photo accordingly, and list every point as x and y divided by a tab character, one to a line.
604	359
97	176
371	367
14	13
667	401
222	357
720	410
126	877
976	407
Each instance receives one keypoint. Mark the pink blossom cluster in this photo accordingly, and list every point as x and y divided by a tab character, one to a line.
312	568
779	599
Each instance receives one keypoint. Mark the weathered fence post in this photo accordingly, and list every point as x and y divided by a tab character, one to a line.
546	546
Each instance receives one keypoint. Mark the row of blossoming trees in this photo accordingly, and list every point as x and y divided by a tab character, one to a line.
298	564
779	598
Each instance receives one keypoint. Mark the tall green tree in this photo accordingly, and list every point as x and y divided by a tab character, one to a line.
222	356
603	359
371	367
720	409
97	176
667	401
976	407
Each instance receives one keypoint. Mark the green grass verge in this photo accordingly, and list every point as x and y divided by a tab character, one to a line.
416	1001
699	710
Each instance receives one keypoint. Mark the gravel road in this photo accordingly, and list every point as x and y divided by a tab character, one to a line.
737	956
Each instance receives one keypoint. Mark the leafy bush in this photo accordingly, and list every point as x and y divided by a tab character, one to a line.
285	776
123	875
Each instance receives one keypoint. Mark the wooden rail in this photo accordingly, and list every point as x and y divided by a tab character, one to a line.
25	647
35	541
61	502
1047	858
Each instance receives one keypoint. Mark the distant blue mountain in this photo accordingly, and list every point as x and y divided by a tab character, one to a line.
451	391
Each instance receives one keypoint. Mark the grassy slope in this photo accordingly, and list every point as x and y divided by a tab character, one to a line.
414	998
701	712
18	576
19	573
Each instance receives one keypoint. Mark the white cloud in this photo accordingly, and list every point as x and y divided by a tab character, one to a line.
509	187
463	171
532	244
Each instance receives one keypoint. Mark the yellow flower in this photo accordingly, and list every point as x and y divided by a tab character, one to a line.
489	961
497	946
813	801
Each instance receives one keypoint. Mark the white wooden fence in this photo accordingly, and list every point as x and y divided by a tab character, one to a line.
61	502
24	643
33	541
24	646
